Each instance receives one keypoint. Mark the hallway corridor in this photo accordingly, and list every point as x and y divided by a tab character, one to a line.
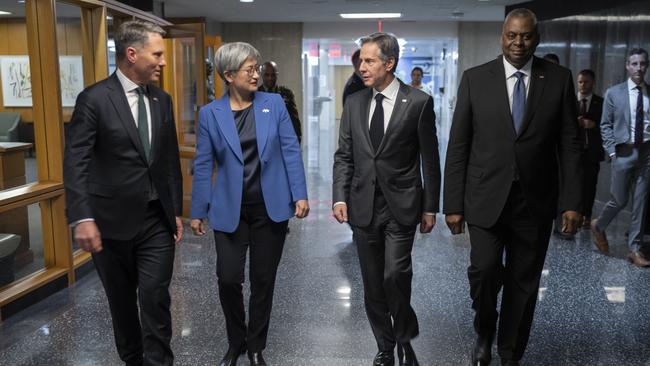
592	309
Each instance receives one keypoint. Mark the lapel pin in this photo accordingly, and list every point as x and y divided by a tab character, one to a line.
265	110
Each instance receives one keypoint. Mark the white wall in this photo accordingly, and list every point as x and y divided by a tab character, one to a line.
354	30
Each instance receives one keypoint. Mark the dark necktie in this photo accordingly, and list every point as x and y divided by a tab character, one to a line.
518	101
377	122
583	107
638	125
143	125
583	113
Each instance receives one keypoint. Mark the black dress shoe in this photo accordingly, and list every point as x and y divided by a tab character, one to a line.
384	358
231	356
406	355
482	353
256	358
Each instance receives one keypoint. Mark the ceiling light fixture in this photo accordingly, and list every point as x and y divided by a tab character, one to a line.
246	1
2	12
370	15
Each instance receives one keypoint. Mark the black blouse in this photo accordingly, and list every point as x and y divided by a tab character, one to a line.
245	123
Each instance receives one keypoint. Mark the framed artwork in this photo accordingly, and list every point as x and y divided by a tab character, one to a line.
71	73
16	81
17	84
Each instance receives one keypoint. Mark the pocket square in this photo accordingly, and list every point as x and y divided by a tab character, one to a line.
404	100
265	110
155	99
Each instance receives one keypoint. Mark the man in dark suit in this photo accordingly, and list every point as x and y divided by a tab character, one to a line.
387	179
270	85
514	129
124	190
354	83
590	108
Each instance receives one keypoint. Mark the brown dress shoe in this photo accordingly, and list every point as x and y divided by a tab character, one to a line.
599	237
638	259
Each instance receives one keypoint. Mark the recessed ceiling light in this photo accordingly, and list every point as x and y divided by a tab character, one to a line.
246	1
2	12
370	15
21	1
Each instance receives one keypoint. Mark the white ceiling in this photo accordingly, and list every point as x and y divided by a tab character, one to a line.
328	10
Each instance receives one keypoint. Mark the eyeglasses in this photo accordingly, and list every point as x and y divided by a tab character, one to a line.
251	70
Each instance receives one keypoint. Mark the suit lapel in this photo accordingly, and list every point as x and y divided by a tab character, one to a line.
399	107
156	122
117	97
501	98
364	118
593	105
626	103
537	83
262	110
226	123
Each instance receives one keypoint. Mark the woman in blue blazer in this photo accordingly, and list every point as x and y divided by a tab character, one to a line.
259	186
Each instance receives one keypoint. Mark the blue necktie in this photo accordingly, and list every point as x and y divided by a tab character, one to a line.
519	101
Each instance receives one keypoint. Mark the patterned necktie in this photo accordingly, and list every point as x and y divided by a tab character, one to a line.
143	124
518	101
638	125
377	122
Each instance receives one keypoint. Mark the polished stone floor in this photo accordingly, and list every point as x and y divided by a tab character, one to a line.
592	310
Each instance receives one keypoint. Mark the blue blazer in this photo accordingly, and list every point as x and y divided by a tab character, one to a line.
282	173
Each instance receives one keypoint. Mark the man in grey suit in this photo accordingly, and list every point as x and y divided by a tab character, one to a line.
625	129
387	178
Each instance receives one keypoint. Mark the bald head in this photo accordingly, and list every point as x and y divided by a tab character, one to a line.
519	37
269	74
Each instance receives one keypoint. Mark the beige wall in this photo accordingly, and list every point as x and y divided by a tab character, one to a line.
279	42
478	43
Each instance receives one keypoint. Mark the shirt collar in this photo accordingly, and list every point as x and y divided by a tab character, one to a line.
127	84
581	97
390	92
631	85
511	70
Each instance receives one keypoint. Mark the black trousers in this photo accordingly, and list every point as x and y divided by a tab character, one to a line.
138	271
384	249
265	239
524	241
590	168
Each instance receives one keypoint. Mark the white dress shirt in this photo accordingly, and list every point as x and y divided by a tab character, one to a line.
634	94
511	79
130	90
390	94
